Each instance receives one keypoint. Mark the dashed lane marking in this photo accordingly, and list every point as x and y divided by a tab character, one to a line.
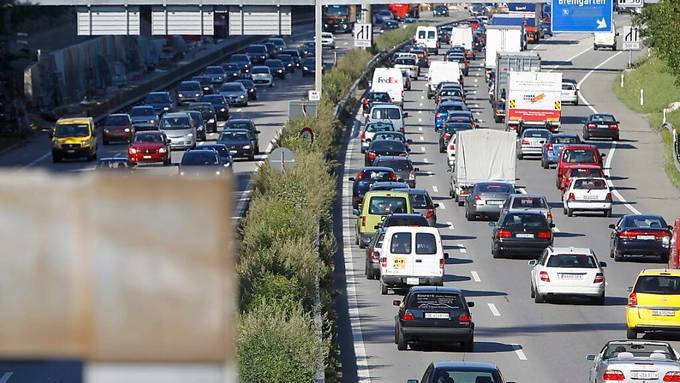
420	129
449	224
422	148
435	189
494	310
519	352
475	276
442	206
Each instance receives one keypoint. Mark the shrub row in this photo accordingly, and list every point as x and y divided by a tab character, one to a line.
287	241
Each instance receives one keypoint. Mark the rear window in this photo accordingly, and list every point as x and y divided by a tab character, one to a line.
372	128
379	96
420	201
387	205
397	166
529	203
579	172
421	34
386	113
117	120
581	261
434	300
517	222
377	175
590	184
582	156
415	220
387	145
405	61
602	118
426	243
638	349
645	222
401	243
494	188
536	133
658	284
565	140
568	86
431	35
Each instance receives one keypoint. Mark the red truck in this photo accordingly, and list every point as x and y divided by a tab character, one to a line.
402	11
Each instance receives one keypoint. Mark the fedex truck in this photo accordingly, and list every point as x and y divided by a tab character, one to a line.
391	81
534	100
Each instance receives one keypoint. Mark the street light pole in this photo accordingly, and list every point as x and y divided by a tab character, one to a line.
318	49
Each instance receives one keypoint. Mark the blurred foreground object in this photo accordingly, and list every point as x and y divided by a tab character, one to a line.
137	282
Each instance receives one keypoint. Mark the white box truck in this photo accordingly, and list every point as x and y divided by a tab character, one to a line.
442	71
462	36
534	100
506	62
482	155
501	38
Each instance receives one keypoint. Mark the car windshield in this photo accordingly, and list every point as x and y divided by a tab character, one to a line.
150	138
214	99
214	70
434	300
518	222
582	156
239	125
377	175
202	158
231	88
411	220
529	203
658	284
565	139
379	97
378	127
261	70
580	261
450	92
387	205
274	63
234	136
387	146
457	126
336	10
405	61
645	222
397	166
71	130
590	184
386	113
389	136
141	112
602	118
536	133
116	121
638	349
231	67
157	98
256	49
189	86
465	376
494	188
170	123
242	59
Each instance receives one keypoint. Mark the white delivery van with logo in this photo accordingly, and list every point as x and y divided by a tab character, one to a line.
389	80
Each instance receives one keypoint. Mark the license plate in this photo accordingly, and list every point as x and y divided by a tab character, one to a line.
147	157
436	316
524	235
398	263
589	197
663	313
233	151
494	202
412	281
571	277
70	151
603	126
645	375
646	237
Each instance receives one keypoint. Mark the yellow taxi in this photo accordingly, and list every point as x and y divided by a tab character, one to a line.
375	207
654	302
74	138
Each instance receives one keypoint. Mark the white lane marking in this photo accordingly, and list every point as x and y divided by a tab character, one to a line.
422	98
519	352
463	250
239	110
556	229
476	81
422	139
475	276
421	104
35	161
420	128
426	161
442	206
422	148
612	148
494	310
435	189
420	111
449	224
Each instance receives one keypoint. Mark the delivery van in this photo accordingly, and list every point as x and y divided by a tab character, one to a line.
74	138
428	37
411	256
442	71
605	39
389	80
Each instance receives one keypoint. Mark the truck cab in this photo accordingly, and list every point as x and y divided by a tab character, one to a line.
74	138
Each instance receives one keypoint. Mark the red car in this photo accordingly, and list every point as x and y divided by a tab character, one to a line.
118	127
575	156
673	258
582	171
149	147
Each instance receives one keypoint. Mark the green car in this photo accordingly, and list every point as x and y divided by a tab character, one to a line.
375	207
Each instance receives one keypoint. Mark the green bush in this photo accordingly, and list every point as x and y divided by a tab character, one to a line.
278	346
278	290
391	39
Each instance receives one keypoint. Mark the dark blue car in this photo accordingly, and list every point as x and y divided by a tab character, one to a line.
553	146
641	235
442	112
367	177
160	101
239	142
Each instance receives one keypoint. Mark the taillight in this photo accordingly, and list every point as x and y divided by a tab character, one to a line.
383	262
504	234
363	135
372	155
549	215
616	127
672	376
572	197
545	234
360	176
429	78
613	375
628	234
374	255
441	264
438	115
544	276
465	319
476	197
452	147
550	147
364	101
447	136
632	299
608	198
393	177
590	126
438	99
430	213
599	278
407	316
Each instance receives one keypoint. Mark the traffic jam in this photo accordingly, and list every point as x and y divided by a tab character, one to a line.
467	124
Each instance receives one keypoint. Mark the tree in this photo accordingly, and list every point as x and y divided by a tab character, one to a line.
661	27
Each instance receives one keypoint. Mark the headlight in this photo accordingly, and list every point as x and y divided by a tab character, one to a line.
132	150
180	96
241	96
211	121
222	110
166	108
666	241
127	130
152	121
181	173
162	150
197	94
228	164
246	147
190	135
218	172
200	129
106	130
305	68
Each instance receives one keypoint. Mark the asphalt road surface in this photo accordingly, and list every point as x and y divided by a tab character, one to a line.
530	342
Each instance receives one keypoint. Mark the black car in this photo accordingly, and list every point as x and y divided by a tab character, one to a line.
521	233
232	71
450	128
365	178
390	25
206	84
430	314
245	124
242	60
295	55
308	48
372	98
200	162
257	53
308	66
384	148
640	234
403	219
441	10
287	62
209	115
600	125
272	48
220	105
222	152
240	143
277	68
456	372
387	186
250	87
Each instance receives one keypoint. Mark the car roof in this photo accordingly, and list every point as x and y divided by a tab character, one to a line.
484	366
413	191
657	272
579	147
74	120
527	195
159	92
385	193
385	105
570	250
398	158
176	114
239	120
435	289
406	215
377	168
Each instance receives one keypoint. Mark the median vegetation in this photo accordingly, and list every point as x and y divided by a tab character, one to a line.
287	243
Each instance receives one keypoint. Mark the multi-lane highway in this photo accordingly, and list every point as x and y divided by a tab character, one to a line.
530	342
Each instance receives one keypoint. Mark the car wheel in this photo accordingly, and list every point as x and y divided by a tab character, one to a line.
356	240
594	47
631	333
599	300
576	102
496	252
520	156
616	138
496	119
544	164
564	210
383	288
586	135
533	293
608	213
570	212
362	245
469	345
367	271
251	157
168	161
441	149
618	257
401	341
539	298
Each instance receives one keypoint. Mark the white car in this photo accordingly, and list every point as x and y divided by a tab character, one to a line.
262	76
587	194
327	40
634	361
370	129
567	271
530	142
451	151
569	92
409	64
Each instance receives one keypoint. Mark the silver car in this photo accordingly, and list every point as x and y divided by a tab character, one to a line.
179	129
487	199
530	142
422	203
534	202
262	75
635	361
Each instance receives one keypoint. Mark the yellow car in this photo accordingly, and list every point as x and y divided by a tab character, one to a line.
654	302
375	207
74	138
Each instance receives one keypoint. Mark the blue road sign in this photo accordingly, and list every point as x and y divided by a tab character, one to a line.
582	15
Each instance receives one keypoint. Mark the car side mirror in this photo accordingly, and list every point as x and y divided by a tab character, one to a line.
670	227
355	212
405	115
416	169
603	154
446	255
590	357
629	289
552	225
258	132
471	304
376	227
612	226
603	264
400	180
396	302
351	179
532	262
436	205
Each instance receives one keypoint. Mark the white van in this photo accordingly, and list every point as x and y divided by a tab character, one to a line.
461	36
411	256
605	39
428	37
388	112
442	71
389	80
